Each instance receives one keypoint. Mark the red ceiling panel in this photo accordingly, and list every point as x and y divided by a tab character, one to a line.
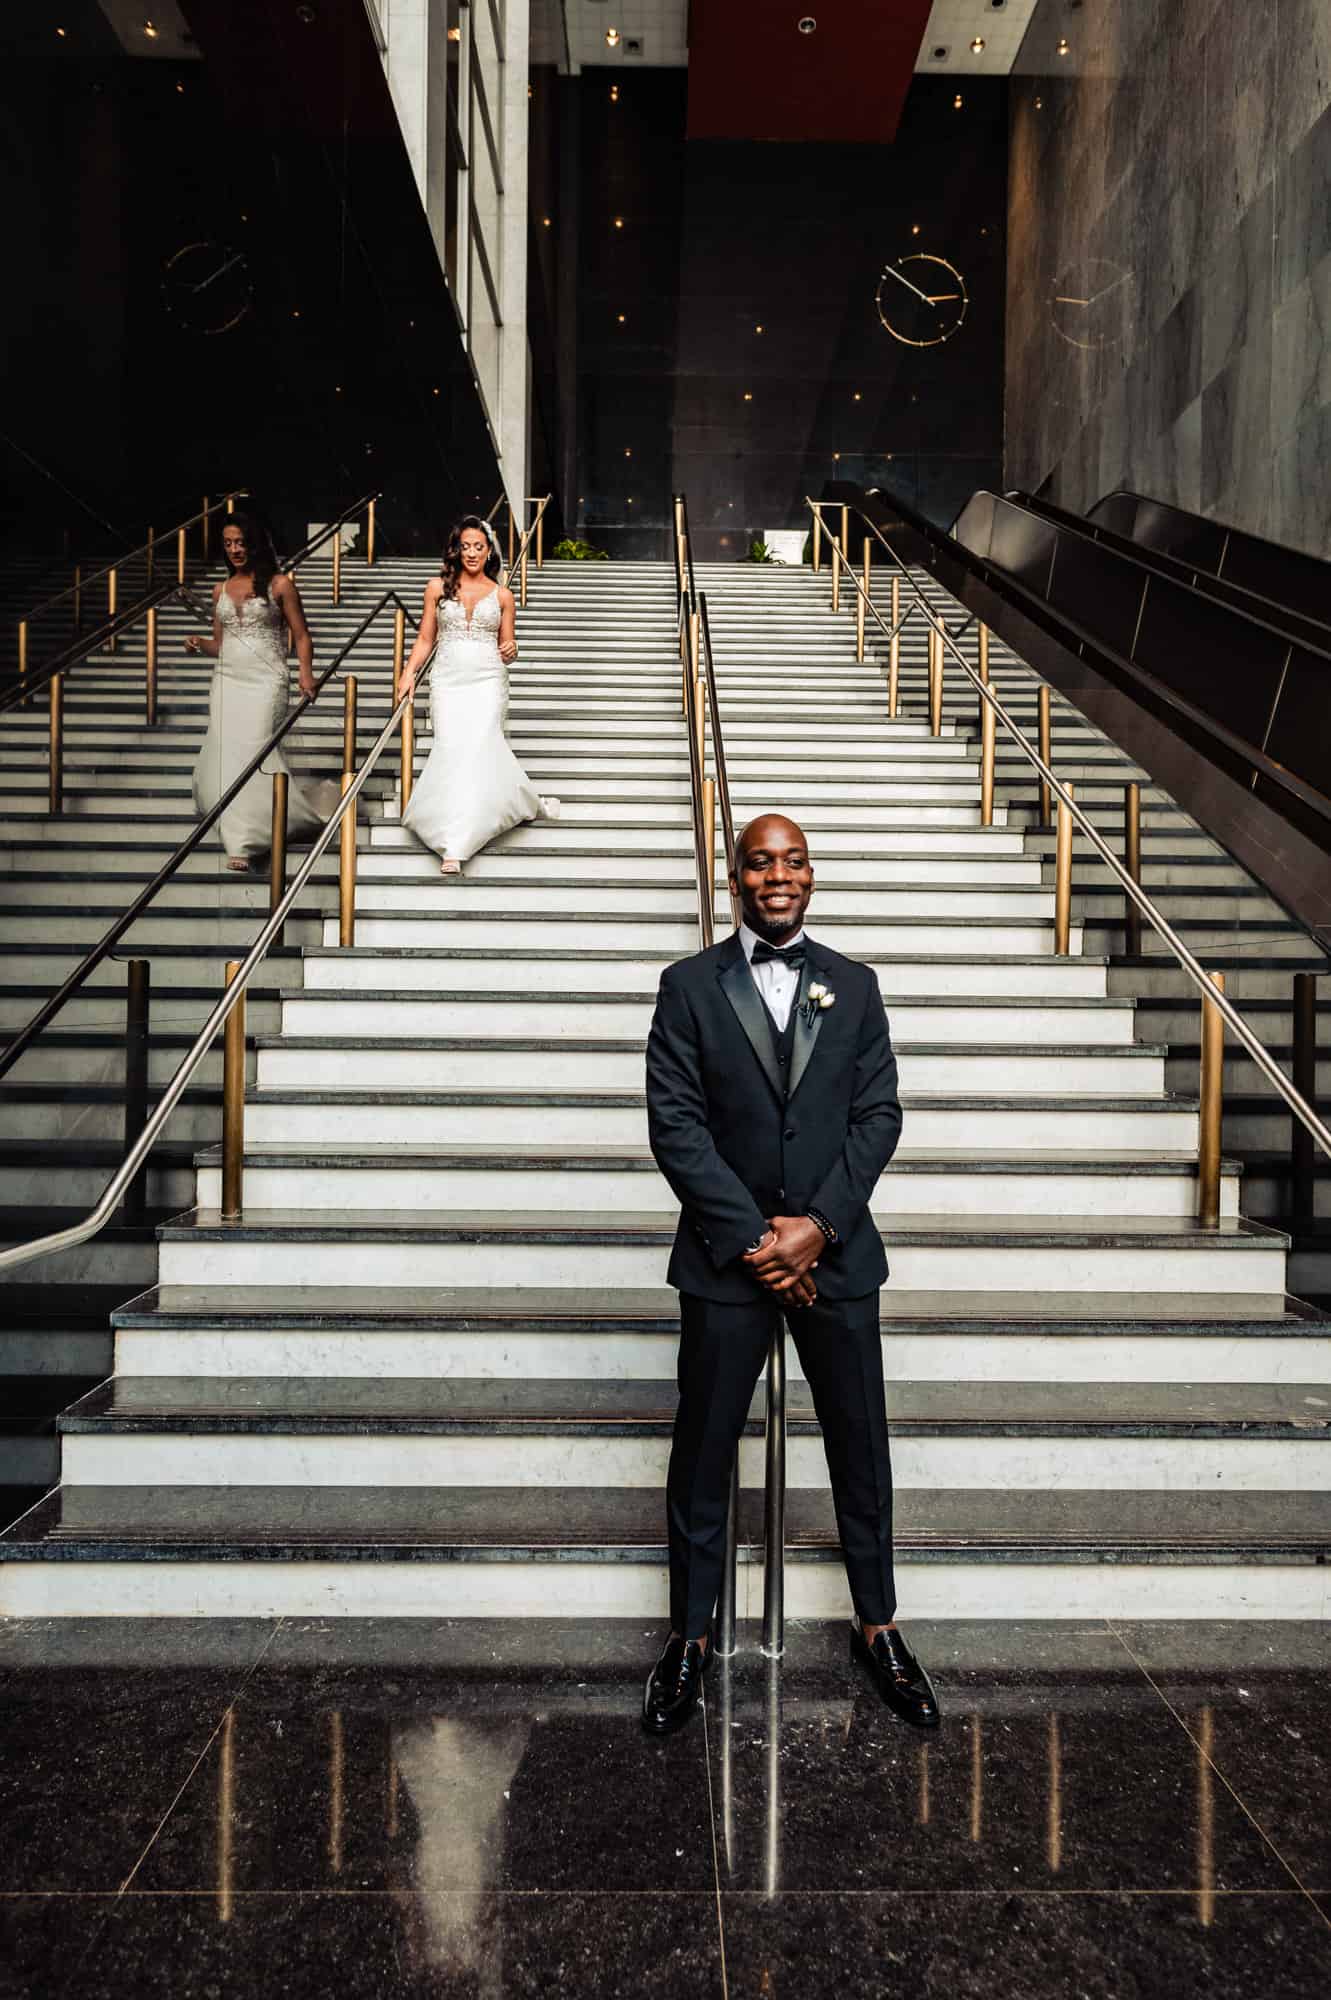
753	75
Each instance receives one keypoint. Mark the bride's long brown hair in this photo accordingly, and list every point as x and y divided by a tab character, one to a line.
451	567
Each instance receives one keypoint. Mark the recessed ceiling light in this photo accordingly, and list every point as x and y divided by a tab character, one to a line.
1039	104
1064	46
836	458
857	398
151	30
958	101
622	318
455	34
614	93
612	38
748	395
760	328
806	24
977	46
915	229
545	221
628	451
619	222
61	33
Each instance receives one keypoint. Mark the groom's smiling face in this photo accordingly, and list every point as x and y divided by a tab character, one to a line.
773	876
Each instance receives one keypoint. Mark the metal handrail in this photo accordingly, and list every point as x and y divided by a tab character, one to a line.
21	693
719	755
130	1166
107	943
1265	1062
153	543
98	1217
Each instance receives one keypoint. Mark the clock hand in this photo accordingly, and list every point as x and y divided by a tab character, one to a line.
907	283
220	272
941	298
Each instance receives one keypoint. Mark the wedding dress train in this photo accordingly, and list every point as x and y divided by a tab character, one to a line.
473	787
247	700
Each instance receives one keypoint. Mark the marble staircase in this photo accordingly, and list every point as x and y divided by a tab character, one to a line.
429	1371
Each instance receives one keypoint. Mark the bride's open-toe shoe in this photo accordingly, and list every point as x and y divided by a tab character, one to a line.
549	806
239	865
448	866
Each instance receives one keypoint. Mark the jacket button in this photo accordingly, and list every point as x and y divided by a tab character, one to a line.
790	1132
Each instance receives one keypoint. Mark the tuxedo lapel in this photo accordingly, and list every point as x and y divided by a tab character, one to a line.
736	982
808	1019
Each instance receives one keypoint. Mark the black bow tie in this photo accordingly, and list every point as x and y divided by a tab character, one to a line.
793	955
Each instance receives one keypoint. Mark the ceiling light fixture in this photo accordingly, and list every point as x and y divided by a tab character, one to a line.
807	25
915	229
612	38
151	30
614	93
61	33
545	220
619	222
622	318
958	101
748	395
1064	46
977	46
760	328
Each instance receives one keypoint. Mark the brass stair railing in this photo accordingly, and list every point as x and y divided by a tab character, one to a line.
1218	1012
701	712
157	548
146	607
227	1016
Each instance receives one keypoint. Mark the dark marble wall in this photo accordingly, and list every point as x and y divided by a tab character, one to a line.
750	365
1169	259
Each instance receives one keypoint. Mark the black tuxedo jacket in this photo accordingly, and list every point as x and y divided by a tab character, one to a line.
737	1143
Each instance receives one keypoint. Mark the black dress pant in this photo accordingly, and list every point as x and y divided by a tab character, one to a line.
722	1349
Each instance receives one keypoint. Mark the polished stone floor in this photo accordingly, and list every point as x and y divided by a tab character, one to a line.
405	1810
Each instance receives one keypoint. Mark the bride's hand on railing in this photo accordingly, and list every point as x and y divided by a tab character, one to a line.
307	683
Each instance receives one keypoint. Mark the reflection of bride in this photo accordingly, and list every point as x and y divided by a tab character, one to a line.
457	1777
248	697
472	787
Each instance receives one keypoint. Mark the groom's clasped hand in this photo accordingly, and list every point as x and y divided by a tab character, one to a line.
787	1257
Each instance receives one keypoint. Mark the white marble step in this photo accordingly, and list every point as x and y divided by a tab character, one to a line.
847	877
1127	1070
415	885
493	931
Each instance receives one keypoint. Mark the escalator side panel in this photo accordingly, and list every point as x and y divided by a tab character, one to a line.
1224	665
1097	590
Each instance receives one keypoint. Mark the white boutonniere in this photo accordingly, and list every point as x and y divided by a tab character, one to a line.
819	999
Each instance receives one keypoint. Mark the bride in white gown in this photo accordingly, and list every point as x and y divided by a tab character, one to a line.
253	611
473	787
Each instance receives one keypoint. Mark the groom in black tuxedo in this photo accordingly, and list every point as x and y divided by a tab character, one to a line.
772	1109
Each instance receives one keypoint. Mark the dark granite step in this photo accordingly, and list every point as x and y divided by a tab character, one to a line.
360	1407
203	1524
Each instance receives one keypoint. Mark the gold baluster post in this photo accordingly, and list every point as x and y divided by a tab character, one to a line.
540	538
982	664
337	564
346	873
845	534
1132	861
23	652
836	575
1063	881
862	599
277	870
56	777
935	681
348	725
369	536
700	718
230	503
894	654
1208	1131
986	764
150	669
112	599
709	836
180	555
399	651
233	1105
1046	748
408	756
817	540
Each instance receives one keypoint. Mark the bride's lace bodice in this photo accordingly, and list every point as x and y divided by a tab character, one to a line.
256	627
468	645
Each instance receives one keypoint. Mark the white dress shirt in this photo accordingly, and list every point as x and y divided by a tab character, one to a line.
776	982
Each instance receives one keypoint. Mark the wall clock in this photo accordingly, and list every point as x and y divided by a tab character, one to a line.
921	299
1090	301
207	287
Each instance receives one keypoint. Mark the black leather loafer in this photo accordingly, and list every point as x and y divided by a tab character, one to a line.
898	1676
674	1686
